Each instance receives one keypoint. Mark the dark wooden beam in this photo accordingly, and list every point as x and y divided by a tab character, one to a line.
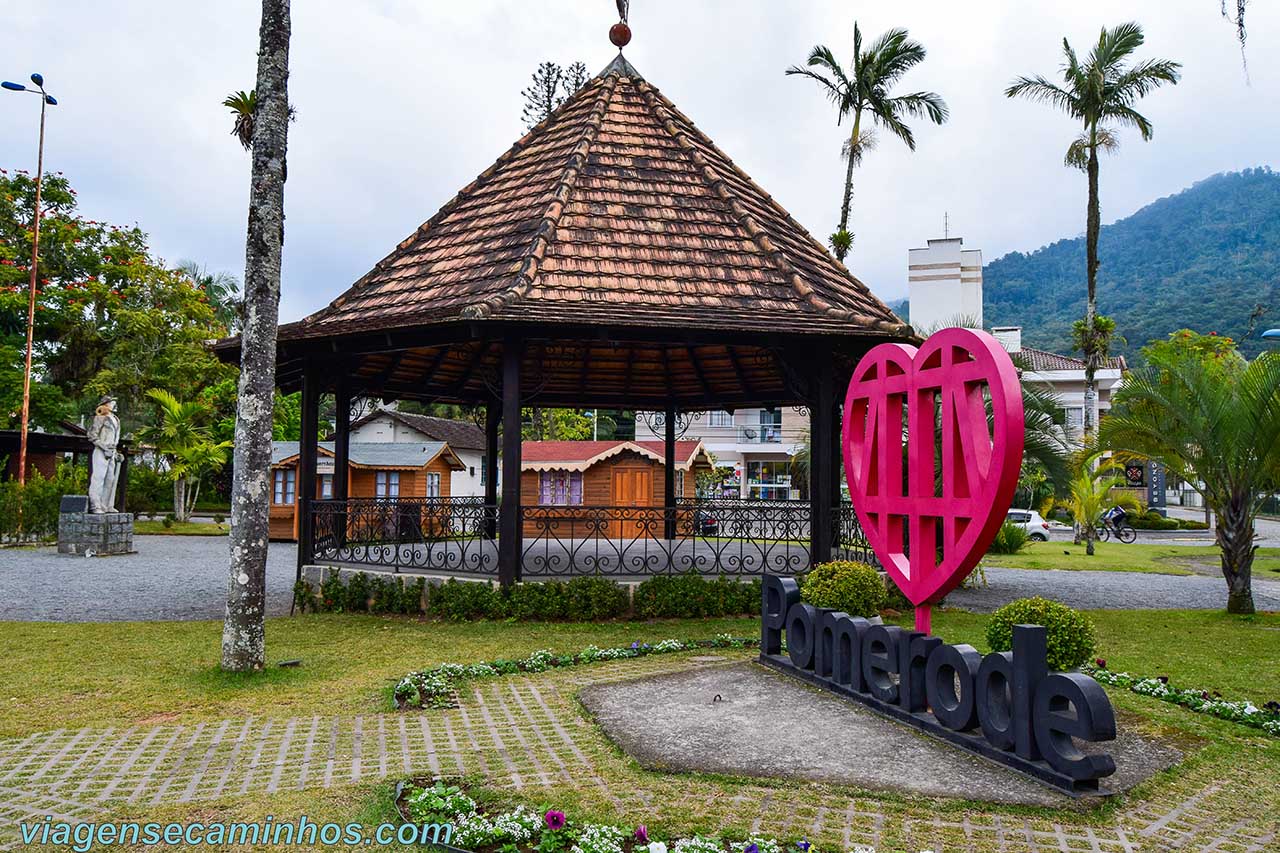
492	416
478	356
821	463
669	484
737	368
698	371
305	485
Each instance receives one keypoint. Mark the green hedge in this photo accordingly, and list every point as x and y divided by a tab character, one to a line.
1070	633
585	599
690	595
29	513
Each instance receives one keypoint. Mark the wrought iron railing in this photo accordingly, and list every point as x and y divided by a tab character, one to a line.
728	536
712	537
433	534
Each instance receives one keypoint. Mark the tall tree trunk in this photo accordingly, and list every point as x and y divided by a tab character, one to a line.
243	631
846	203
1092	227
1235	537
180	498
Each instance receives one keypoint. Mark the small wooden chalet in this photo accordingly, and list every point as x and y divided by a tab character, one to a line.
577	474
383	470
613	257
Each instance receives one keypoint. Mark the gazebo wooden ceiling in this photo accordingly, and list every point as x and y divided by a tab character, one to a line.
635	262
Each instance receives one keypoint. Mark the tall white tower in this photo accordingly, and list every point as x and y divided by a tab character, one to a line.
944	285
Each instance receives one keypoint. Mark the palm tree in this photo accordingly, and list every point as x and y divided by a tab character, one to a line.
223	291
243	632
243	106
864	90
1215	422
185	443
1091	491
1100	94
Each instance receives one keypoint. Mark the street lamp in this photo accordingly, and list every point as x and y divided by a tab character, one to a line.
46	100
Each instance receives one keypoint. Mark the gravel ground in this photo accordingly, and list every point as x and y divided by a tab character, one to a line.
184	577
1109	591
170	578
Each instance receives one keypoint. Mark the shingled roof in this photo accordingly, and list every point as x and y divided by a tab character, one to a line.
616	210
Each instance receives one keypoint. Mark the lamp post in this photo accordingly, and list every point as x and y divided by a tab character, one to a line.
46	100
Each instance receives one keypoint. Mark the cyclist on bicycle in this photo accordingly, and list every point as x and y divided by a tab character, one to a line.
1115	516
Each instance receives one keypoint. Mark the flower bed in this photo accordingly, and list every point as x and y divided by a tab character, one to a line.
1244	712
553	832
434	688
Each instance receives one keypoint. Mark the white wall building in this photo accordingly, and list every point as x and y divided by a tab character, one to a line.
756	443
464	438
944	285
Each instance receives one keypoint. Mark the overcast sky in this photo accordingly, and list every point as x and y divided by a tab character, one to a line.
400	104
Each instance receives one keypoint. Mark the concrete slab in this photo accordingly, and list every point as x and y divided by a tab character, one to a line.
765	724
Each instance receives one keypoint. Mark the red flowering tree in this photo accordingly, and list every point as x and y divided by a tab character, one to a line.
109	315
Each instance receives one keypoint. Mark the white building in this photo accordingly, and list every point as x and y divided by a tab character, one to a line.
944	286
757	444
944	283
464	438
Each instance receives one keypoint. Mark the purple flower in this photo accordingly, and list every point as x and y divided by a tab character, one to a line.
752	848
804	846
554	820
635	645
642	834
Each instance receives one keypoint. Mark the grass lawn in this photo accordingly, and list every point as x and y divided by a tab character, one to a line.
180	528
122	674
1118	557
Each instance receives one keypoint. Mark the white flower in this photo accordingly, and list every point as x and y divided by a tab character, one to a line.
657	847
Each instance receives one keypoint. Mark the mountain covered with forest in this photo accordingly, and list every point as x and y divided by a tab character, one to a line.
1207	258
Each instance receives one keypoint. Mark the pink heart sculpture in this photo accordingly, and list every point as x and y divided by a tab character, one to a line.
931	513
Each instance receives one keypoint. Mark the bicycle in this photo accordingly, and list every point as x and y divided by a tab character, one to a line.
1125	532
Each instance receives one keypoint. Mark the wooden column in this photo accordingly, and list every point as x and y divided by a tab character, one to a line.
307	451
669	486
341	453
821	463
510	544
492	417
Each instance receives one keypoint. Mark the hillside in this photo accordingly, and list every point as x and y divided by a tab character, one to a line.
1203	259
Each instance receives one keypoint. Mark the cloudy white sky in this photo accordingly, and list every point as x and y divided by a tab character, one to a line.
403	102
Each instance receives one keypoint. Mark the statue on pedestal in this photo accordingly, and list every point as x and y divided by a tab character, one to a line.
104	432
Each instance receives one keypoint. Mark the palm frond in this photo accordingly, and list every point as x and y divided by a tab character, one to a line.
1039	89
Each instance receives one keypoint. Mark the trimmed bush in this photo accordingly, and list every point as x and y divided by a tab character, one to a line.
593	599
30	512
691	595
855	588
1070	633
1153	521
462	600
1011	539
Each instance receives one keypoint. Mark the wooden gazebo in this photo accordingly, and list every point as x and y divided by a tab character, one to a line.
612	257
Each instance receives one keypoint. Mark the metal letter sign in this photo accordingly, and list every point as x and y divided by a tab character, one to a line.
930	513
932	446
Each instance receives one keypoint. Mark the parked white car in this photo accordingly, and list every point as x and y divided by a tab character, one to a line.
1032	522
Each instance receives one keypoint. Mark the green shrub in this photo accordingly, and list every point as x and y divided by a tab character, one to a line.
167	521
1070	633
30	512
690	596
462	600
149	490
855	588
1187	524
1010	539
1153	521
592	599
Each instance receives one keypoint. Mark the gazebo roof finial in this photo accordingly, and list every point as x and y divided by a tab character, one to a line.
620	33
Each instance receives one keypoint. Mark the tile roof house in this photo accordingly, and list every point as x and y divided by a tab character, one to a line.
375	470
464	438
561	480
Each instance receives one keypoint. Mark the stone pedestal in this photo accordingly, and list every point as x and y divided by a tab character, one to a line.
88	534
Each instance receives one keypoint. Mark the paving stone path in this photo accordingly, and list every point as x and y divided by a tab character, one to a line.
526	734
